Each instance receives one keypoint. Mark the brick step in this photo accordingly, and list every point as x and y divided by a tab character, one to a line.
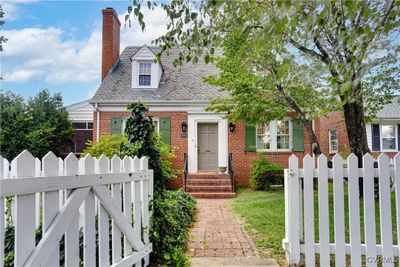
208	176
204	181
212	194
208	188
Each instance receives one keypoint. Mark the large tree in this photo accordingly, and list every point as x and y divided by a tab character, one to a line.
350	46
40	125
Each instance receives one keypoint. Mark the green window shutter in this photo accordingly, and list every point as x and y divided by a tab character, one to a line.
250	138
165	129
116	125
298	135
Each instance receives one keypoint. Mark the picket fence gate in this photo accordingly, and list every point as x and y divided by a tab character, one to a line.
300	231
72	197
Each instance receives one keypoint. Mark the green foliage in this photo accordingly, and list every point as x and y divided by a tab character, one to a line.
40	125
344	52
173	214
2	22
109	145
139	128
264	174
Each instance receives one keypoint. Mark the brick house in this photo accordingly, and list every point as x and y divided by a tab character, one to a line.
177	99
383	133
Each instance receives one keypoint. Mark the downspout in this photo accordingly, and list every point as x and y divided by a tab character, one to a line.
312	144
97	122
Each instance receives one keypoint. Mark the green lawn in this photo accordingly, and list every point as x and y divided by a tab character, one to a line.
264	219
263	214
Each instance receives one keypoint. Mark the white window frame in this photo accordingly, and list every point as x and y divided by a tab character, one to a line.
138	74
395	138
330	141
158	123
273	131
153	118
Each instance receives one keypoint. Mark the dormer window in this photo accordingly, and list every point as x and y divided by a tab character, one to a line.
146	71
144	74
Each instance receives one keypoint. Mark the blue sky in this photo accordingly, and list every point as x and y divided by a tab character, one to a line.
57	45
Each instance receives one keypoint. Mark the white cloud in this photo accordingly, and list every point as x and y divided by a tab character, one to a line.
51	55
156	25
12	10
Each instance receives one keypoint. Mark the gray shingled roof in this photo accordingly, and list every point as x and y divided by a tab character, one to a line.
391	110
177	84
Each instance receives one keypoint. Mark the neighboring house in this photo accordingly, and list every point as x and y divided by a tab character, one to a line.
383	133
81	115
177	99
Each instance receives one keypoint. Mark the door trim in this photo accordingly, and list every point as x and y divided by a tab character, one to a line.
193	120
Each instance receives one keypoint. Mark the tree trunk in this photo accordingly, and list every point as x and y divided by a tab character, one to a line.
314	140
355	126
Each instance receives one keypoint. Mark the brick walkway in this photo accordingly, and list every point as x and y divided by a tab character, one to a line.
217	233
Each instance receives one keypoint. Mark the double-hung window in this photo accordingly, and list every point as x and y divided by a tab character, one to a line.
282	134
144	74
274	136
388	137
263	138
333	141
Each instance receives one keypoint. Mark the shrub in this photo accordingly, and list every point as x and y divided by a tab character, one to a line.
264	174
110	145
173	214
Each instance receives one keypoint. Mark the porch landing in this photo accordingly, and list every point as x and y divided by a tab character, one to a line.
209	185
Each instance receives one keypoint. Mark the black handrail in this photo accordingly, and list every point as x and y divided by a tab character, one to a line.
231	171
185	169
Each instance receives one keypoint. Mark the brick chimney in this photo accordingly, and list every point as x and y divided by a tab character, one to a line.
110	50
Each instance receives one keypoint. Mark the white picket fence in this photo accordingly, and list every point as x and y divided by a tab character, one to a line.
300	232
72	196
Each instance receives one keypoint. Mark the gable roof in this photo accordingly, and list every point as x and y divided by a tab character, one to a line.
390	111
176	84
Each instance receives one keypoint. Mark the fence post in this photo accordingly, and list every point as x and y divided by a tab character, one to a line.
51	203
103	166
145	207
24	166
72	234
116	194
293	208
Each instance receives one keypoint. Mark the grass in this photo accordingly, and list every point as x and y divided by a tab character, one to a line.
263	214
264	219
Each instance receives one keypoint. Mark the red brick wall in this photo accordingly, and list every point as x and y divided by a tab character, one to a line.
333	120
179	144
242	159
111	34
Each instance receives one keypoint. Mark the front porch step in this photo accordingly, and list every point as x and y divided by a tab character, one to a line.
208	188
208	175
206	181
212	194
209	185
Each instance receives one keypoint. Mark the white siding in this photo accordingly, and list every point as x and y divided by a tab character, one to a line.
80	112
